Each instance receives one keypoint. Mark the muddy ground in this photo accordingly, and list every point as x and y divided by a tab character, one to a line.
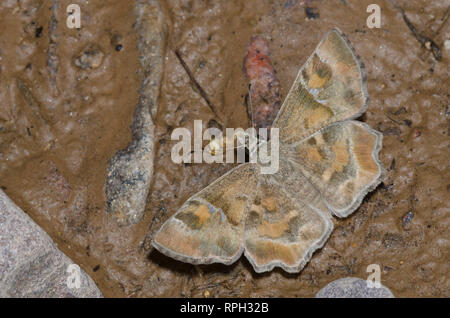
60	123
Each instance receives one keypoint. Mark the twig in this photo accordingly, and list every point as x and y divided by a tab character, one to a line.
196	84
395	121
426	42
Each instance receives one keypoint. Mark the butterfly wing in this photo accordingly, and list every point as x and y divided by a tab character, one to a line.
338	156
330	87
341	162
327	162
283	227
209	227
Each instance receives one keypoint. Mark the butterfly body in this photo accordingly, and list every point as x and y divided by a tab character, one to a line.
328	162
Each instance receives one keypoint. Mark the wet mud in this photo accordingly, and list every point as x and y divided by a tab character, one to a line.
68	98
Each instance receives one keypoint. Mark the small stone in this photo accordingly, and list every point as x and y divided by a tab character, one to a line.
90	58
130	170
352	287
206	294
407	218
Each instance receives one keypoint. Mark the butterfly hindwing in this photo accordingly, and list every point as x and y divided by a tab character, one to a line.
330	87
283	230
209	227
341	161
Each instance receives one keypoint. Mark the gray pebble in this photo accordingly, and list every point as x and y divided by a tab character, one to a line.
30	263
352	287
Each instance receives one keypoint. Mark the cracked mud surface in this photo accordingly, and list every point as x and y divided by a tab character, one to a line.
61	121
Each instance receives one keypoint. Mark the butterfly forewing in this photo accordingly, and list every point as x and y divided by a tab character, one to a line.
330	87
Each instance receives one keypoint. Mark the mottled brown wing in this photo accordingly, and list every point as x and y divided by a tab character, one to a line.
286	222
341	162
209	227
330	87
